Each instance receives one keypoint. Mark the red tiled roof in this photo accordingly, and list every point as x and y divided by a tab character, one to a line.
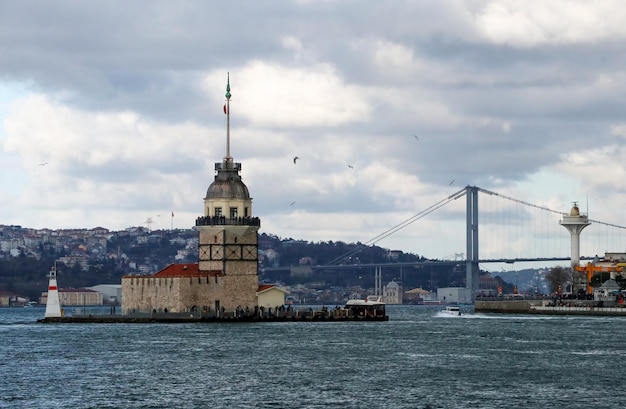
267	287
181	270
178	270
76	290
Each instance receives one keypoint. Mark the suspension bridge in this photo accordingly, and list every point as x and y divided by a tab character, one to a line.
502	229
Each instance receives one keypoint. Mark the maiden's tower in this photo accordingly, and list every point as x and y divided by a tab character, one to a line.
226	275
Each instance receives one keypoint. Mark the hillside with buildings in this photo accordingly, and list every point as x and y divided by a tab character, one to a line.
89	257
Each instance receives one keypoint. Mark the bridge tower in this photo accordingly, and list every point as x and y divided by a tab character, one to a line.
471	264
575	223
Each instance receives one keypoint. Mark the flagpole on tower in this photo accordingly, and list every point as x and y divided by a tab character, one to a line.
227	112
172	222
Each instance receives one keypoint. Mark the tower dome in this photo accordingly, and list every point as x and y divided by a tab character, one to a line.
228	185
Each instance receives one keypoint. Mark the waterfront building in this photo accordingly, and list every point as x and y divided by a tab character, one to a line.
226	275
74	297
454	295
111	293
418	296
270	296
392	293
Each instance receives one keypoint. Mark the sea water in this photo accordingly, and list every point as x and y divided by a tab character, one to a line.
420	358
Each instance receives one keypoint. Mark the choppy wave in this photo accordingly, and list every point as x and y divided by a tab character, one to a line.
415	360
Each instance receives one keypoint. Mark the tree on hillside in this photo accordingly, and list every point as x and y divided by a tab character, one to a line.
557	276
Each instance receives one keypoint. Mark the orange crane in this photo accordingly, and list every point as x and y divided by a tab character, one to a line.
591	269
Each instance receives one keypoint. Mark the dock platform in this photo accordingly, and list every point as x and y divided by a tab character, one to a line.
197	317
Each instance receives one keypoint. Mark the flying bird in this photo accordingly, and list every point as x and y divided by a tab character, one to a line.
295	158
350	166
416	138
292	203
451	182
42	164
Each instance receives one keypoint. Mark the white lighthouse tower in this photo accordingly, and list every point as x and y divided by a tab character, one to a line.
575	223
53	307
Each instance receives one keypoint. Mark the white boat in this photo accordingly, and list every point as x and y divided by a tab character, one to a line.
453	310
372	307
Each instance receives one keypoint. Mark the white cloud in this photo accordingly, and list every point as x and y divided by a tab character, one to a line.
292	43
619	131
522	23
270	95
96	162
40	129
393	56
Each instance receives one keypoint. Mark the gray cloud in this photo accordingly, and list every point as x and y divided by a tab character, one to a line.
127	100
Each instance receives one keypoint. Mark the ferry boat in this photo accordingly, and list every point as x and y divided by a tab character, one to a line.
453	310
372	307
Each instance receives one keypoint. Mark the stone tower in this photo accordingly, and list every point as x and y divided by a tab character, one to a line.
228	234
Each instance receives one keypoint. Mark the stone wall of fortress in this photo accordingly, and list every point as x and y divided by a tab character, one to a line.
179	294
227	273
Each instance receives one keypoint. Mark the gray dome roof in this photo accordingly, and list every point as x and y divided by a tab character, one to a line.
227	185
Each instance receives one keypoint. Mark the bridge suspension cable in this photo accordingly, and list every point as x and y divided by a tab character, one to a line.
402	225
520	201
508	242
560	213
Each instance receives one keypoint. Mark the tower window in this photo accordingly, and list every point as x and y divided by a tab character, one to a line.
245	212
218	211
233	212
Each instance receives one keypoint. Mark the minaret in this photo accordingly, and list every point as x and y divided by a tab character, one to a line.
228	234
53	307
575	223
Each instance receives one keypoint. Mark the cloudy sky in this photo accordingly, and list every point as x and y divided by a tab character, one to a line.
112	114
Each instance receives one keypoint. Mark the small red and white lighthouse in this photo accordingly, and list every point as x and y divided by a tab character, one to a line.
53	307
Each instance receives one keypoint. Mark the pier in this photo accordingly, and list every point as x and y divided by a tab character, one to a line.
288	315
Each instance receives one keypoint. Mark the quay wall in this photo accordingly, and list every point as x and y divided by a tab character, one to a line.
195	317
505	306
571	307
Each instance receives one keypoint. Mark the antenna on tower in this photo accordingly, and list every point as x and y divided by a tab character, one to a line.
149	223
